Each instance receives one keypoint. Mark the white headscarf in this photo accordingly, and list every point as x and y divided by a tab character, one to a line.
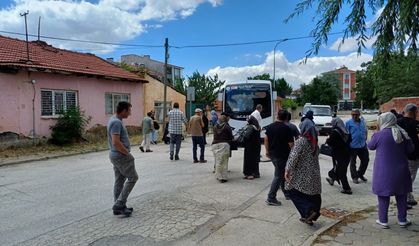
389	120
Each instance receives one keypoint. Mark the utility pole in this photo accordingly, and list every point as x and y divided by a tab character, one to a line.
39	28
166	58
26	28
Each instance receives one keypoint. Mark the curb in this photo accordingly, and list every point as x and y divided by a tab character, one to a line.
309	241
16	162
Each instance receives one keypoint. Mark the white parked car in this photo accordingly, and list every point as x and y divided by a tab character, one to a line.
323	116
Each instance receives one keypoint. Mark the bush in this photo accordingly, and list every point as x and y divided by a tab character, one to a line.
69	127
290	104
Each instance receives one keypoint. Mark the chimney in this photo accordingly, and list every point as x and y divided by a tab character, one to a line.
147	56
110	59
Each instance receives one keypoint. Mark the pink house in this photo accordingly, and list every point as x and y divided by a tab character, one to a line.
36	84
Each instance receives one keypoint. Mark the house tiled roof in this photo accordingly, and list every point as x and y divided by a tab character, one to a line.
13	53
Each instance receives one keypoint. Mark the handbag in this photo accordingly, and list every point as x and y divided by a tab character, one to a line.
326	150
156	125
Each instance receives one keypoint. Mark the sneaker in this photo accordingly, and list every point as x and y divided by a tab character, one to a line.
176	157
355	180
141	148
412	203
121	210
222	180
330	181
149	150
195	161
347	192
363	179
405	224
273	203
171	157
203	161
383	225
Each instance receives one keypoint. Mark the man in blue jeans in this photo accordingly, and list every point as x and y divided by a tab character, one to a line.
278	143
358	130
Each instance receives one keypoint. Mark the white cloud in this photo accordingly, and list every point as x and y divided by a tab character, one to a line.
295	72
351	44
113	21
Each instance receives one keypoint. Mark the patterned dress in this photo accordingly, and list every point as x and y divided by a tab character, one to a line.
304	169
304	186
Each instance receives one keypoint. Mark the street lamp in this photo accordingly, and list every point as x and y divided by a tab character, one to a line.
276	44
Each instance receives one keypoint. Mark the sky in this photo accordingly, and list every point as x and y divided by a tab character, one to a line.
190	22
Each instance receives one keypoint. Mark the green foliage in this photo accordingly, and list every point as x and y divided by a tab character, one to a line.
180	85
140	70
289	104
377	84
206	87
322	90
281	86
365	88
396	27
69	127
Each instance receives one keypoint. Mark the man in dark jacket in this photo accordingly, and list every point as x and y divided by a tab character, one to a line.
410	125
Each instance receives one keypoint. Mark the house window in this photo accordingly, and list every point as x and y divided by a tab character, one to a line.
346	95
54	102
176	73
346	76
112	100
346	85
158	109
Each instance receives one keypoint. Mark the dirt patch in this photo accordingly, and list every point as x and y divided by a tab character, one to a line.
335	230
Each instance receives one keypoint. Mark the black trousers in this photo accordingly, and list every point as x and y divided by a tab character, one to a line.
363	155
340	168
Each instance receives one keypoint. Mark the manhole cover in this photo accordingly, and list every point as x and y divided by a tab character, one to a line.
334	213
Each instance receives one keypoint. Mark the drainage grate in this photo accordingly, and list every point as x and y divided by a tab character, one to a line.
333	212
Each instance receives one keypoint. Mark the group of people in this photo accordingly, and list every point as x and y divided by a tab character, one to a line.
295	155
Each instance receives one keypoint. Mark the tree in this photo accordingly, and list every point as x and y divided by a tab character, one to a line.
396	28
180	85
398	79
319	91
365	88
281	86
206	87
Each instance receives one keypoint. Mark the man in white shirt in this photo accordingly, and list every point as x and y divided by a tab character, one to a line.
257	115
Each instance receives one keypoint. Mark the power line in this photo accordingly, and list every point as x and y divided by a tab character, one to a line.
248	43
86	41
173	46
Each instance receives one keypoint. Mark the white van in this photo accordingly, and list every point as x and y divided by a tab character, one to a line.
323	116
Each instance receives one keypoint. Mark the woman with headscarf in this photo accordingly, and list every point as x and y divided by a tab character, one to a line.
252	151
391	176
223	137
339	140
302	174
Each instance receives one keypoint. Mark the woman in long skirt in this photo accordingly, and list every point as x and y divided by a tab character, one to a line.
302	174
252	151
221	147
391	176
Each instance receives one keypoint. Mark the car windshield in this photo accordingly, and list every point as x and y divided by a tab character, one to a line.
241	100
318	111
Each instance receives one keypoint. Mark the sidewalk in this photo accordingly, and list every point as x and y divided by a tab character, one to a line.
206	212
361	229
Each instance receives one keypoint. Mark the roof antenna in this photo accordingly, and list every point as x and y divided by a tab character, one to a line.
39	28
26	28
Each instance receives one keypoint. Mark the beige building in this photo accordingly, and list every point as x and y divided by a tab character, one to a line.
154	96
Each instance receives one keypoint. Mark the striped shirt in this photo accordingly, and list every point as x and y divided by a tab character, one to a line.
176	118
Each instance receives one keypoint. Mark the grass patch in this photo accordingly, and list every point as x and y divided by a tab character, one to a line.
46	149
